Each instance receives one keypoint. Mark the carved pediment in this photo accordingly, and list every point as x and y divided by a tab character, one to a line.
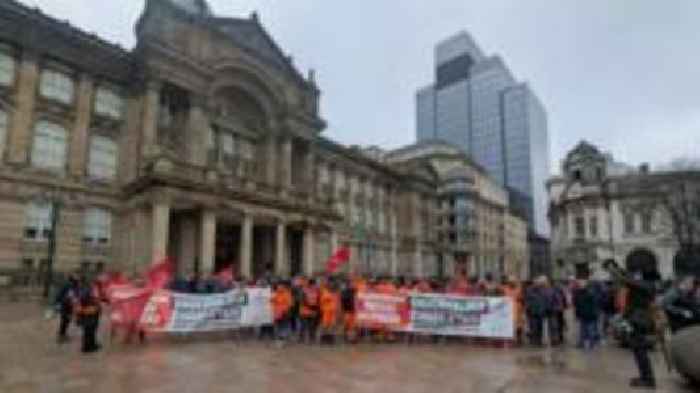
251	36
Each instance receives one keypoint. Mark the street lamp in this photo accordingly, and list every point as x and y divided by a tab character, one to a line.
607	196
56	205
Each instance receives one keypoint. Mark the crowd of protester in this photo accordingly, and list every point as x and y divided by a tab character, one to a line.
322	309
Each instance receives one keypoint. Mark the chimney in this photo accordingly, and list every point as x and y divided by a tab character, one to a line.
644	169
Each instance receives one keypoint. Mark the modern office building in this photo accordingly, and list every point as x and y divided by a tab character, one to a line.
477	104
475	220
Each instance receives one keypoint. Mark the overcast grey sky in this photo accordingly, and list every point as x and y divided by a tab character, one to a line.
624	74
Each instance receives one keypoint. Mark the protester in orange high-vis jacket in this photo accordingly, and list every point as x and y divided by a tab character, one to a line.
330	305
309	312
281	305
513	291
359	283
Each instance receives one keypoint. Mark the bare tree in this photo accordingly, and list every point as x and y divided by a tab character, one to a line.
679	197
682	164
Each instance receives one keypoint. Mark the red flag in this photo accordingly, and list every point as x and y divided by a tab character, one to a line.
160	274
337	260
126	305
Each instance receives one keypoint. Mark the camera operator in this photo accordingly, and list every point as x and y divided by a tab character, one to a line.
641	286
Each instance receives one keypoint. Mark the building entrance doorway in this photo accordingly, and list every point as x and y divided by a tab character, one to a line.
295	239
228	238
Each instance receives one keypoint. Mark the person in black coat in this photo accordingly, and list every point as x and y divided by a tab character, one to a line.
538	305
642	288
89	313
587	309
65	299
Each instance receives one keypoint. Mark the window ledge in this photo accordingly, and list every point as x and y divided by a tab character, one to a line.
53	172
101	181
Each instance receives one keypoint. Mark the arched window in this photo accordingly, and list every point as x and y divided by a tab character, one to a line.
49	148
103	158
577	175
3	132
641	260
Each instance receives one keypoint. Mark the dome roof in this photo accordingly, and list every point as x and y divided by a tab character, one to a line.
195	7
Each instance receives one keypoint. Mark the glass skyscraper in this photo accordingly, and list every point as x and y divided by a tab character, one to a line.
476	104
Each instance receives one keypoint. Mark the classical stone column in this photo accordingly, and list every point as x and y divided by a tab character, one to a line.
79	143
161	226
417	216
272	151
286	164
198	128
207	241
246	246
188	248
310	178
280	247
151	107
309	251
418	261
22	123
394	242
351	199
333	183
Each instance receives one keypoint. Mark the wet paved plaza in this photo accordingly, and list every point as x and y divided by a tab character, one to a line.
30	361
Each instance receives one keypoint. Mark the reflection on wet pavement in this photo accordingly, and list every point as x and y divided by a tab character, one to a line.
30	361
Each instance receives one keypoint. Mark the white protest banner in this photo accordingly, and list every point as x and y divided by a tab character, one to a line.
179	312
489	317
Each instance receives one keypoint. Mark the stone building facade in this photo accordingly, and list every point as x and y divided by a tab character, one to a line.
203	144
483	235
601	209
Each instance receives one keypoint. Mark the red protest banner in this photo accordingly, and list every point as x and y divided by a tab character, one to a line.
378	310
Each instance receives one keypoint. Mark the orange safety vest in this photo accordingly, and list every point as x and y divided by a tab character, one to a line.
515	294
329	308
281	303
